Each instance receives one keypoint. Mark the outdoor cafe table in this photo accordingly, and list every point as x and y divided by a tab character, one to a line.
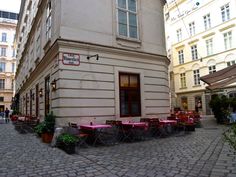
133	130
96	132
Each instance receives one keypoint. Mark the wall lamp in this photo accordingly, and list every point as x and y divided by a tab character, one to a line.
91	56
41	92
54	85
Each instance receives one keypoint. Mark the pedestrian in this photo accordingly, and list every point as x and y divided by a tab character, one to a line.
7	115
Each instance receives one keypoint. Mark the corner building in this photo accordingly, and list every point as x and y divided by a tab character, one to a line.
92	60
201	39
8	21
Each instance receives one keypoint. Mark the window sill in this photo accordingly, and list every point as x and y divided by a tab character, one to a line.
182	88
197	85
128	42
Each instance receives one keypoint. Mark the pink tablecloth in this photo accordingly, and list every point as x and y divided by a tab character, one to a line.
94	127
172	122
135	124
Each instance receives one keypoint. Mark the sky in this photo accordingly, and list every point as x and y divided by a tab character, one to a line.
10	5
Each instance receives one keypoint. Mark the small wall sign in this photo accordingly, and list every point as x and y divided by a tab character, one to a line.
71	59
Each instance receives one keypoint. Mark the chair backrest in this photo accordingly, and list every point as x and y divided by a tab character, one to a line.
73	129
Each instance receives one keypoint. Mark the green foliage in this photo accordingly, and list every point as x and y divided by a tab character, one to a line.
230	136
67	139
40	128
220	107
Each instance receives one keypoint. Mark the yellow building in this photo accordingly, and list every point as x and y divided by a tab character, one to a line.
201	39
8	21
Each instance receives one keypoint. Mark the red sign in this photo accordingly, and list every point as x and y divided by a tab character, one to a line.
71	59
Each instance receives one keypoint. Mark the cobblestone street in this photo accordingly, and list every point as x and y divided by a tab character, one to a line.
201	153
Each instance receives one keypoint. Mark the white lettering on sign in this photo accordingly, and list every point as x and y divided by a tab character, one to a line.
71	59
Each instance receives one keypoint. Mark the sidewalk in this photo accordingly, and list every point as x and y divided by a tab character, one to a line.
201	153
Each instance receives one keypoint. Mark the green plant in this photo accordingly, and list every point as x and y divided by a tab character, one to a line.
49	122
40	128
230	136
67	139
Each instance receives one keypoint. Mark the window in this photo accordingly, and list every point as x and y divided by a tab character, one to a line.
12	84
38	40
196	77
228	40
2	83
3	51
4	37
49	21
192	29
181	56
182	80
194	52
13	67
225	13
130	104
207	21
184	103
179	35
2	67
230	63
1	99
13	52
209	47
127	18
212	69
47	95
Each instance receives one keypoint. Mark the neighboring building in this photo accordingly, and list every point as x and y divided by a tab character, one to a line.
8	21
201	39
87	60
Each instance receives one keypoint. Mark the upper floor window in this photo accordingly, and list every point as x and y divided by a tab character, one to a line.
207	21
2	67
191	28
225	12
2	83
228	40
13	52
4	37
181	56
182	80
196	77
209	46
127	18
212	69
194	52
1	99
3	51
230	63
49	21
179	35
13	67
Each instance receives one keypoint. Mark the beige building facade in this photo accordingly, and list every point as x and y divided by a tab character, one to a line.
201	39
8	21
92	60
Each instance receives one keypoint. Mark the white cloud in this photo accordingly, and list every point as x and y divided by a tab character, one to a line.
10	5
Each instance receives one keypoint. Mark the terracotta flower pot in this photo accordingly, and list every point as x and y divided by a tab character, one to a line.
47	137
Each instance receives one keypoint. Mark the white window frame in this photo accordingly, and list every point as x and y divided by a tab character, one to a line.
4	51
194	52
225	12
196	77
228	40
3	67
2	84
191	28
230	63
128	12
212	69
4	37
183	80
179	34
49	21
209	46
181	56
207	21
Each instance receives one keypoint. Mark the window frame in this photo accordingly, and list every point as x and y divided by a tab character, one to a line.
192	28
2	69
227	40
130	89
225	12
212	69
194	52
181	56
196	77
179	34
209	46
4	37
183	83
128	12
49	21
207	21
2	84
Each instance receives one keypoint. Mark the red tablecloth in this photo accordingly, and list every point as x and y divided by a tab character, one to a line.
94	127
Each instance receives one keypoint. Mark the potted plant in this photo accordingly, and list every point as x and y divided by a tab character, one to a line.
48	128
39	129
67	142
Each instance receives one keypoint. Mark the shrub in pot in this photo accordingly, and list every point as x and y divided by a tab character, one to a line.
48	128
67	142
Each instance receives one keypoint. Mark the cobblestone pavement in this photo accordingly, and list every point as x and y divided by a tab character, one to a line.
201	153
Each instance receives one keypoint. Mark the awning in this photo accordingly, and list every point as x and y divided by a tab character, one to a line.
220	78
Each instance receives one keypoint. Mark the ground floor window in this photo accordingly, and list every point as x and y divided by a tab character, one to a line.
198	103
184	103
130	101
